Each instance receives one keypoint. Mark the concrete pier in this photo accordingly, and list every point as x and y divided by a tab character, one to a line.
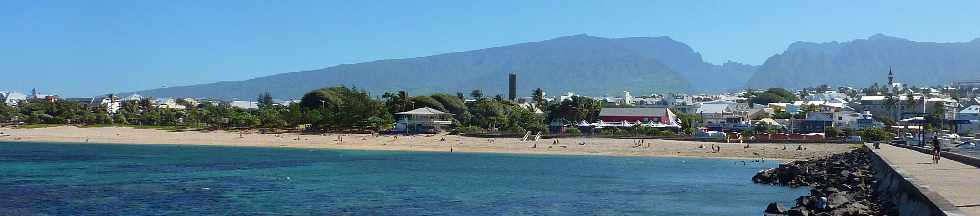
918	187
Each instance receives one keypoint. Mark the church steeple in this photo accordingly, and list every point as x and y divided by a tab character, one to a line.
891	77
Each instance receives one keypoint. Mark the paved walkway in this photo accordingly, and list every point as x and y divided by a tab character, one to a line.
956	182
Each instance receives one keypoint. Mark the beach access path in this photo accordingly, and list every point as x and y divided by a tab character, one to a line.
956	182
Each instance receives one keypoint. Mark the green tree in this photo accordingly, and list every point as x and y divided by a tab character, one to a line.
476	94
772	95
832	132
120	118
342	107
7	113
452	104
265	100
575	110
876	134
271	118
538	97
488	113
397	102
519	117
937	117
426	101
688	122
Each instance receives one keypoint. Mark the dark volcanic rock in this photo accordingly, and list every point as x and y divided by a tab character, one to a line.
775	208
840	185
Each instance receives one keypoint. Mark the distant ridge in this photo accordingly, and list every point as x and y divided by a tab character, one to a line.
864	62
580	63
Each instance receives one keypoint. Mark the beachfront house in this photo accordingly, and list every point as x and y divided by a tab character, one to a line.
860	120
423	120
660	117
816	122
722	116
645	115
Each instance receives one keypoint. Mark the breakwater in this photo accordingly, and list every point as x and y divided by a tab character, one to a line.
841	184
860	182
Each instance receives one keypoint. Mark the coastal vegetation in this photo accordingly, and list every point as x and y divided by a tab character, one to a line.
327	109
772	95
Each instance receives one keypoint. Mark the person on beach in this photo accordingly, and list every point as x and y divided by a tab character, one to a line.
936	149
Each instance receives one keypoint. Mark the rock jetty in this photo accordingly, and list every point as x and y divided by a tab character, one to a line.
840	185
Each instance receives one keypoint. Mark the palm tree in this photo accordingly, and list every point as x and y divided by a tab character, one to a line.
910	101
538	97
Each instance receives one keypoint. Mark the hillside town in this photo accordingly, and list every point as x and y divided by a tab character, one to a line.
811	112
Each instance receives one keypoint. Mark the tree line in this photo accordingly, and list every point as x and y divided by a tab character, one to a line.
325	109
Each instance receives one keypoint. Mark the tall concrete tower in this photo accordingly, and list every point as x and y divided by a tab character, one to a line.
512	86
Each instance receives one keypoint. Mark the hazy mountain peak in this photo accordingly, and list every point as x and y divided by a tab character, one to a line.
826	47
883	37
576	37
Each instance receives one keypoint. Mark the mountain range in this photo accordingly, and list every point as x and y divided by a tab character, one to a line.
864	62
581	64
599	66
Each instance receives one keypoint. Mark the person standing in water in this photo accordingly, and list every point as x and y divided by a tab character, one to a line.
936	149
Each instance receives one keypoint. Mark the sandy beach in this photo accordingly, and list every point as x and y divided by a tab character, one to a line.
435	143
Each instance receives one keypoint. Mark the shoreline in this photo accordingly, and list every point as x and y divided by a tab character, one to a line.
425	143
422	151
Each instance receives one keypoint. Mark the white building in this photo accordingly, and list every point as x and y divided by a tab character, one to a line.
133	97
627	98
245	104
722	116
566	96
423	120
169	103
110	102
12	98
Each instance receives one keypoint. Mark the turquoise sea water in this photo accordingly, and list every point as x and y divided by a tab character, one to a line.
85	179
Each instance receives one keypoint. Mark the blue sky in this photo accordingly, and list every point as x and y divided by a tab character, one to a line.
83	48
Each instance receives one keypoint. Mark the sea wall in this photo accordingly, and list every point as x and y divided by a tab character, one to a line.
905	194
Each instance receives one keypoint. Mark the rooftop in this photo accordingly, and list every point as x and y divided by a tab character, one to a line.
633	112
423	111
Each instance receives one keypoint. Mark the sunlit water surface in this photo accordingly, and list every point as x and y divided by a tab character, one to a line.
105	179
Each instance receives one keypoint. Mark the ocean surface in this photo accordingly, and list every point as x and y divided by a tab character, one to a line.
109	179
